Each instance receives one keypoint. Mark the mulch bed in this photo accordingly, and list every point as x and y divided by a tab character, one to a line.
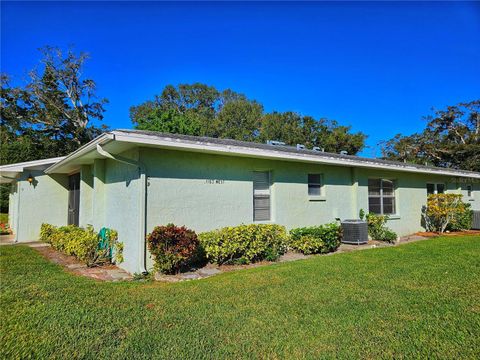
455	233
72	265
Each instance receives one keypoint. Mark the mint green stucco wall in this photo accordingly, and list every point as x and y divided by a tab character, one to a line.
12	206
179	193
86	196
44	201
121	205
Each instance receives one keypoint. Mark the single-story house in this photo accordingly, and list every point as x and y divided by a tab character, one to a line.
132	180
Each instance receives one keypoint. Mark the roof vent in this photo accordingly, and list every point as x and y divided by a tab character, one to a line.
343	152
300	147
275	142
316	148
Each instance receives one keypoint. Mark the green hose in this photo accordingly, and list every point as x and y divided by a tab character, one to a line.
104	241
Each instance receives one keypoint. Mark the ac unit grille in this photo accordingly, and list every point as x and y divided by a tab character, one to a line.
355	232
476	220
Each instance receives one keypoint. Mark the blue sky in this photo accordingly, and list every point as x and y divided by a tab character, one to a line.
378	67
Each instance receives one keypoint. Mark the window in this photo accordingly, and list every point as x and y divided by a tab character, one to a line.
435	189
314	184
469	191
261	195
381	196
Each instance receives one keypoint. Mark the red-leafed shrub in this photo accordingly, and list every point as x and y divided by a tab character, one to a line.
174	248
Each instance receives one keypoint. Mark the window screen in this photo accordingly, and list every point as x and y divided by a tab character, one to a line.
381	196
314	184
261	195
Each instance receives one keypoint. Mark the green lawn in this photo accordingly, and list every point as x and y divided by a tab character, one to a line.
414	301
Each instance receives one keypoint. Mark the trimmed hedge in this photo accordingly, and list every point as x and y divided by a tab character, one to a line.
174	248
316	239
82	243
244	244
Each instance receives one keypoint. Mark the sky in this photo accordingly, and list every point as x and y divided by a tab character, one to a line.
378	66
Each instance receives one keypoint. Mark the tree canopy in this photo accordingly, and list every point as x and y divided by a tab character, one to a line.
51	115
202	110
54	113
450	139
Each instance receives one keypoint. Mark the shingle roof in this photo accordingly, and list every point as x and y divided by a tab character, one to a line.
292	150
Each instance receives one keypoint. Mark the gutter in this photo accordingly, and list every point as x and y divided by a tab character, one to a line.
143	201
91	146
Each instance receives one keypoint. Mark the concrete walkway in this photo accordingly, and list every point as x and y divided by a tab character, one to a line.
7	239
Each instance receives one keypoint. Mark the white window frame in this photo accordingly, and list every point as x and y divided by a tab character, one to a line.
381	196
320	184
435	187
263	194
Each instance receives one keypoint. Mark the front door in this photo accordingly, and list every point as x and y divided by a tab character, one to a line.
73	198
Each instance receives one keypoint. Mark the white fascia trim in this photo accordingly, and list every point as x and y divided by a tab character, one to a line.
85	149
273	154
19	167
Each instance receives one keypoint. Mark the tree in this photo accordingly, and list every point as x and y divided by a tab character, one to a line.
293	128
52	115
199	109
239	120
450	139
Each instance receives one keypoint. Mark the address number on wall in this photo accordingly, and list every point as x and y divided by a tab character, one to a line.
214	181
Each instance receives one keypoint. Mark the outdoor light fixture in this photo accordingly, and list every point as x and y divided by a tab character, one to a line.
30	179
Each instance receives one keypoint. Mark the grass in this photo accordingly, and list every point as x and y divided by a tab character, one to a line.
3	218
414	301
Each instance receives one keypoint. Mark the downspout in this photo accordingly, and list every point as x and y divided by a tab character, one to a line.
143	202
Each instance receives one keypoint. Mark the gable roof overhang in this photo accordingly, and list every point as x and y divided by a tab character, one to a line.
118	141
10	172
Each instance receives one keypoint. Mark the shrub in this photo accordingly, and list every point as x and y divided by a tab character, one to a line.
377	228
82	243
46	232
388	235
245	243
445	211
174	248
462	220
316	239
5	229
